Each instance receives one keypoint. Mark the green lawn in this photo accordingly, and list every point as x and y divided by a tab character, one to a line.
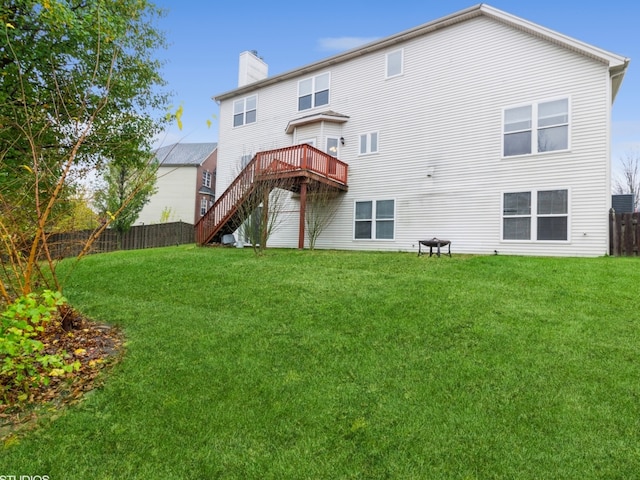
337	365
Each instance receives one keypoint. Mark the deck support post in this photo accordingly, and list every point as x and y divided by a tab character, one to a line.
264	221
303	207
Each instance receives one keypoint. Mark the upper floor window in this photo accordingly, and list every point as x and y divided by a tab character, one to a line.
538	127
368	143
394	63
313	92
536	215
244	111
206	179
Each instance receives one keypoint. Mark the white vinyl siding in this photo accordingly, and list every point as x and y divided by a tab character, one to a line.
176	190
441	139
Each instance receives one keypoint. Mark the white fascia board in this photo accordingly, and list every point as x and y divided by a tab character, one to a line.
617	64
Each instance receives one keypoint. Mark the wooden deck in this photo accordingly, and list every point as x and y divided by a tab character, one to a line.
296	168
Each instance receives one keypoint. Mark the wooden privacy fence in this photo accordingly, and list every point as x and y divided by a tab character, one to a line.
70	244
624	234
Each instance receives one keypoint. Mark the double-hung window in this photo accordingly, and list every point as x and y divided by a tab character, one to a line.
538	127
374	220
204	205
206	179
244	111
313	92
368	143
536	215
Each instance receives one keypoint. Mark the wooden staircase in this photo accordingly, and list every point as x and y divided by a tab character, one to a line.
289	168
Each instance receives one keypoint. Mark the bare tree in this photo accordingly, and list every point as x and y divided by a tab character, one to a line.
261	211
322	205
628	180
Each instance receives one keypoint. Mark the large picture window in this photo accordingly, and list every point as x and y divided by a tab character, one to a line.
374	220
536	215
313	92
244	111
538	127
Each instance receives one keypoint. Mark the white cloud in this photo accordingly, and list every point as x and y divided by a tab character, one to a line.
343	43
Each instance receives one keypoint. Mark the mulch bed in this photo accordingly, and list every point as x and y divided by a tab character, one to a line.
95	345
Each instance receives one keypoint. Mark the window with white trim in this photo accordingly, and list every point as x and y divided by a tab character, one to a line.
307	141
394	63
368	143
244	111
206	178
332	149
538	127
374	220
245	159
539	215
332	146
313	92
204	205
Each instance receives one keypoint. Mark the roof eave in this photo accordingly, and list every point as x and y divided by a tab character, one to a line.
617	75
320	117
356	52
611	59
617	64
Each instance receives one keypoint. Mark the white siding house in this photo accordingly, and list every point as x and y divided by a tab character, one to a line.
185	184
480	128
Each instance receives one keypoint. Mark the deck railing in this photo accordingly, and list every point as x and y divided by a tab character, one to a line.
283	161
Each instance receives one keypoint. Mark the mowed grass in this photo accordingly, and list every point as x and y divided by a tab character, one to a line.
344	365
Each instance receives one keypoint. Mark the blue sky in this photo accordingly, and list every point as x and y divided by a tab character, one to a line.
206	38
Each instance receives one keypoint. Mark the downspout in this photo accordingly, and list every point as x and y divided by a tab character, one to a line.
610	81
303	208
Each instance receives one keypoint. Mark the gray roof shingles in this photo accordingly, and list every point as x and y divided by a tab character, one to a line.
185	153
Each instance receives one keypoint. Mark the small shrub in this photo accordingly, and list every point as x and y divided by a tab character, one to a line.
22	362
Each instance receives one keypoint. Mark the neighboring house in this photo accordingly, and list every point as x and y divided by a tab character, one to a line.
185	183
480	128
